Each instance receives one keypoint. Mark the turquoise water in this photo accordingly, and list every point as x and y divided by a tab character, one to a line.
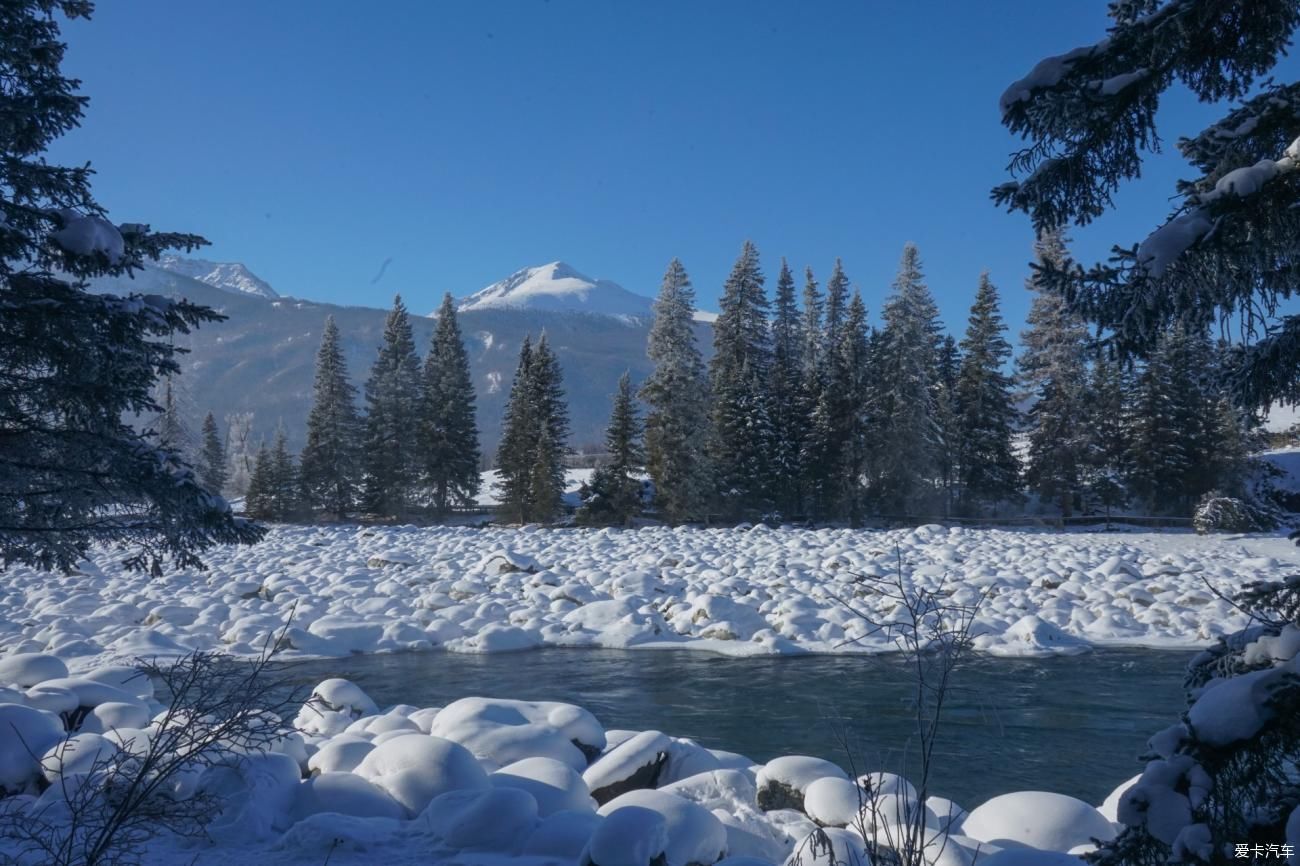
1072	724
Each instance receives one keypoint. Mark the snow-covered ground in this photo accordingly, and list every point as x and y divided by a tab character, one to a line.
741	592
496	782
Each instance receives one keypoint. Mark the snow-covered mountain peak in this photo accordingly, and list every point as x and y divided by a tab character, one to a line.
557	286
231	276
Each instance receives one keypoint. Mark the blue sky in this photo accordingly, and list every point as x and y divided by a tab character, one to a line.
463	140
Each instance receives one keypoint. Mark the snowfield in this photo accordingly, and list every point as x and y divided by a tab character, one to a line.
741	592
499	782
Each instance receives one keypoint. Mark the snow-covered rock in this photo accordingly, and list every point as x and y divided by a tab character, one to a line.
694	834
504	731
782	781
555	786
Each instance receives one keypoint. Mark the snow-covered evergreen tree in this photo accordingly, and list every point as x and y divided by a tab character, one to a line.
1109	417
73	472
284	488
1231	248
518	439
904	394
259	500
614	494
212	457
677	393
1052	372
990	472
172	433
741	435
786	408
330	465
530	458
835	307
546	393
392	419
947	423
449	449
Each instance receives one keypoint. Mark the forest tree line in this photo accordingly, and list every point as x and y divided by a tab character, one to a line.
806	410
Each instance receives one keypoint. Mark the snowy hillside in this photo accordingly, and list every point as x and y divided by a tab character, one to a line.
558	287
231	276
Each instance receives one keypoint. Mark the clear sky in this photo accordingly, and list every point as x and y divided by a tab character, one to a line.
460	141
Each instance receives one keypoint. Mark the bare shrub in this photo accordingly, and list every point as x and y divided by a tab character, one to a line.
102	809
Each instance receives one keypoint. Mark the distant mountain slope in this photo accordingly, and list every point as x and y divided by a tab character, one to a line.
557	287
262	358
231	276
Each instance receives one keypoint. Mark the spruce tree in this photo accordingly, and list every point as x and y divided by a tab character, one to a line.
546	394
73	472
810	482
530	458
1052	372
990	471
1109	416
741	437
330	471
259	501
614	494
1231	248
392	419
786	407
283	488
677	393
449	449
905	453
837	300
212	458
172	432
836	444
947	422
513	465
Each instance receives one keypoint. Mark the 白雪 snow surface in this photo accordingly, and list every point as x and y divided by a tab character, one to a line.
734	591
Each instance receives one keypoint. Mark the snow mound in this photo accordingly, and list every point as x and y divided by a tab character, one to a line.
695	835
1039	819
554	785
504	731
413	770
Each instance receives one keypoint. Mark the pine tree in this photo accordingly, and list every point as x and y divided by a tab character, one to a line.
1109	415
741	438
73	472
947	422
785	405
212	458
1233	244
835	448
837	299
330	471
283	487
259	501
990	472
677	392
1173	443
546	393
449	448
905	396
172	432
513	466
614	494
392	419
1052	371
530	458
